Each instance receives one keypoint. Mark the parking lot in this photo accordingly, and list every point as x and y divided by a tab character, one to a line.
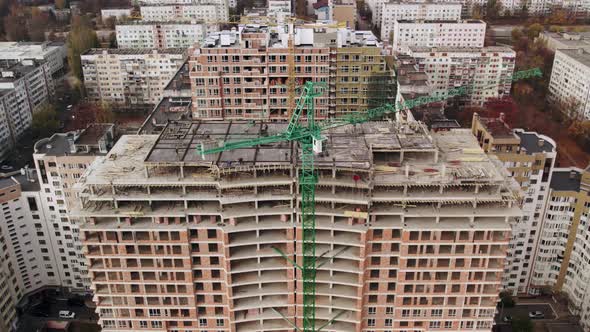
522	310
35	315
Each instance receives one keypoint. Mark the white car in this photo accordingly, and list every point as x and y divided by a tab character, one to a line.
67	314
536	314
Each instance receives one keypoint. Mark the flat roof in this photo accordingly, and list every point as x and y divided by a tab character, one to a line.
451	49
565	179
26	184
168	109
93	133
530	141
580	55
132	51
470	21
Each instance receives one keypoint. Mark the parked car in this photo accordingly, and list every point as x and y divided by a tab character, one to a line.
507	319
67	314
536	314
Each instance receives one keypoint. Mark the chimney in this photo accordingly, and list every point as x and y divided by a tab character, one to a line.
573	174
541	142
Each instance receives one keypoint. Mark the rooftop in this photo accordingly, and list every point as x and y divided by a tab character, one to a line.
497	128
89	141
133	51
168	22
580	55
569	39
27	183
447	157
535	143
14	71
486	49
93	134
566	179
9	50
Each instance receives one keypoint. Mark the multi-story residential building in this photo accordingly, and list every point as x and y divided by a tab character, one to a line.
565	40
27	256
210	11
431	11
562	262
54	53
252	72
569	86
423	33
178	242
485	72
24	88
129	77
142	34
279	6
530	159
117	13
60	161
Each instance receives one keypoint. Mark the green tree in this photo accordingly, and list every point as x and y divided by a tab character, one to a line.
45	121
493	9
113	40
507	300
516	34
533	30
522	324
81	38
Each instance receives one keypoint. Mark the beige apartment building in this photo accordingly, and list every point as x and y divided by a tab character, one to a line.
412	230
530	158
129	77
253	72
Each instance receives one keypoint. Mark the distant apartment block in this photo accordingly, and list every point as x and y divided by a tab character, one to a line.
485	72
61	160
431	11
54	53
117	13
210	11
252	72
129	77
24	87
569	86
279	6
422	33
530	159
417	246
141	34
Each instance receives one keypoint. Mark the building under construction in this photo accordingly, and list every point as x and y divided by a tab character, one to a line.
412	230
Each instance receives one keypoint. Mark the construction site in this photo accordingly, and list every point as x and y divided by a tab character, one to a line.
411	230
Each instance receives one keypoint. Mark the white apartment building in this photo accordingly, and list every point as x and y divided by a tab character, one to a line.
60	161
565	40
420	33
570	82
487	71
117	13
206	10
24	87
129	76
279	6
412	11
142	34
27	256
53	53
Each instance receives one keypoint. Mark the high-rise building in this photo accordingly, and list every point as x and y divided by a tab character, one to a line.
60	162
162	35
484	72
562	262
221	5
423	33
24	88
129	77
27	260
412	230
431	11
569	86
252	72
530	159
208	12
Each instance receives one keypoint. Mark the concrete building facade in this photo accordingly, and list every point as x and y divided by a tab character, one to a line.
60	162
422	33
173	246
24	88
117	13
250	73
208	12
162	35
486	72
129	77
569	86
530	159
431	11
